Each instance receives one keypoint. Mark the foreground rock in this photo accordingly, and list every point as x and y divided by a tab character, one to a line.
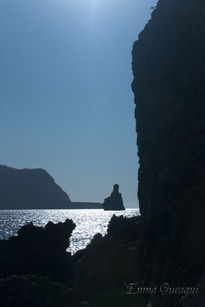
169	76
114	202
110	262
44	270
38	250
27	291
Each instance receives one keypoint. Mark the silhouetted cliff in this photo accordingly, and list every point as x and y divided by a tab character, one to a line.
169	77
166	243
30	189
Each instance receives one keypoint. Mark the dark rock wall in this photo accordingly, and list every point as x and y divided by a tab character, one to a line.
30	189
169	89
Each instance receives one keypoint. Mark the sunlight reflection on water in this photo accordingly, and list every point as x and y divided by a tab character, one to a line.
88	222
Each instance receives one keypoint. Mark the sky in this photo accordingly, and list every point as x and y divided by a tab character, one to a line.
66	103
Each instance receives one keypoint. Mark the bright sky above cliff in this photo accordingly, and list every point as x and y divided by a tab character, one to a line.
66	103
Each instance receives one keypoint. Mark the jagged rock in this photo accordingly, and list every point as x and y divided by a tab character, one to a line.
169	76
109	262
39	250
124	229
114	202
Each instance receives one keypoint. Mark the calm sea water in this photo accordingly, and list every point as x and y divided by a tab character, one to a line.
88	222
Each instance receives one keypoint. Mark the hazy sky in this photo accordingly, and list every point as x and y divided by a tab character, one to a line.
66	103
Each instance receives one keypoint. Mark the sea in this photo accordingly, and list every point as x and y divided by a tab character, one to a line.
88	222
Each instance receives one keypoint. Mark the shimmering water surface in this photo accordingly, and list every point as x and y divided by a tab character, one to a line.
88	222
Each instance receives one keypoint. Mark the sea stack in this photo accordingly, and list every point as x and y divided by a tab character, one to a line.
114	201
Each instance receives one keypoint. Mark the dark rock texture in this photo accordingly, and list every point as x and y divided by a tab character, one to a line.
44	270
27	291
124	229
114	201
169	78
30	189
38	250
109	262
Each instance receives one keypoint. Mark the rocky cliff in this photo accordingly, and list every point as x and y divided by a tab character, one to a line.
169	76
35	189
30	189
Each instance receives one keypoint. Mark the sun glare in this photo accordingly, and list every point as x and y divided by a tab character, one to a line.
94	3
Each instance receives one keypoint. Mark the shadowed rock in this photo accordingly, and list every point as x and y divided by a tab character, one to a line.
38	250
30	189
169	78
27	291
109	262
124	229
114	202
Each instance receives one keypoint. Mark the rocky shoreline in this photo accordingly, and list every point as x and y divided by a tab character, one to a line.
37	265
165	245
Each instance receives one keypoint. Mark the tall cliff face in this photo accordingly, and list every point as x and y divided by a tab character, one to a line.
30	189
169	89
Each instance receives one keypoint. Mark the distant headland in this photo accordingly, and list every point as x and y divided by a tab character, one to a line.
35	189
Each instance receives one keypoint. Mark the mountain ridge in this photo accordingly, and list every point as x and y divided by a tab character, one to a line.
34	189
